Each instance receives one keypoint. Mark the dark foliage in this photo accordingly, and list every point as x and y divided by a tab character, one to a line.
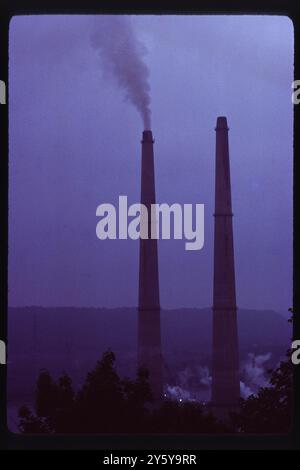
107	404
270	411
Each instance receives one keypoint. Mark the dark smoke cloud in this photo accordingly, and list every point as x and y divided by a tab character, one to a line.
122	57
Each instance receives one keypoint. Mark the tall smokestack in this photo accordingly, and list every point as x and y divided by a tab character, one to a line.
149	337
225	363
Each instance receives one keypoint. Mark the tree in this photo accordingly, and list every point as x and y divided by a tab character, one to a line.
100	402
270	411
108	404
137	396
46	394
31	424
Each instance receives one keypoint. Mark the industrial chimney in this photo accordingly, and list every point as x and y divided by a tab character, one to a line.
149	337
225	354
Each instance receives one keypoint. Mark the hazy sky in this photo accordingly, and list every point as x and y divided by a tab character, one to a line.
75	143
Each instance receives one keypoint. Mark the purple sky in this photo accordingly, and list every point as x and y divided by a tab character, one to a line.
75	143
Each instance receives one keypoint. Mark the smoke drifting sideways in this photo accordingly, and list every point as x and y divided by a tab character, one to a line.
194	383
254	374
121	54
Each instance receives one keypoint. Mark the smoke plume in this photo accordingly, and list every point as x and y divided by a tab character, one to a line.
193	383
254	372
122	57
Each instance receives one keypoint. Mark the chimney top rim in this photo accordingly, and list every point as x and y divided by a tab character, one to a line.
147	136
222	123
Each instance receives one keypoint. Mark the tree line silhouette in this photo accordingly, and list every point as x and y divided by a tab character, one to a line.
105	403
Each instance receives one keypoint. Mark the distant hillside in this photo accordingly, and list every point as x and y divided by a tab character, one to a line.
72	339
